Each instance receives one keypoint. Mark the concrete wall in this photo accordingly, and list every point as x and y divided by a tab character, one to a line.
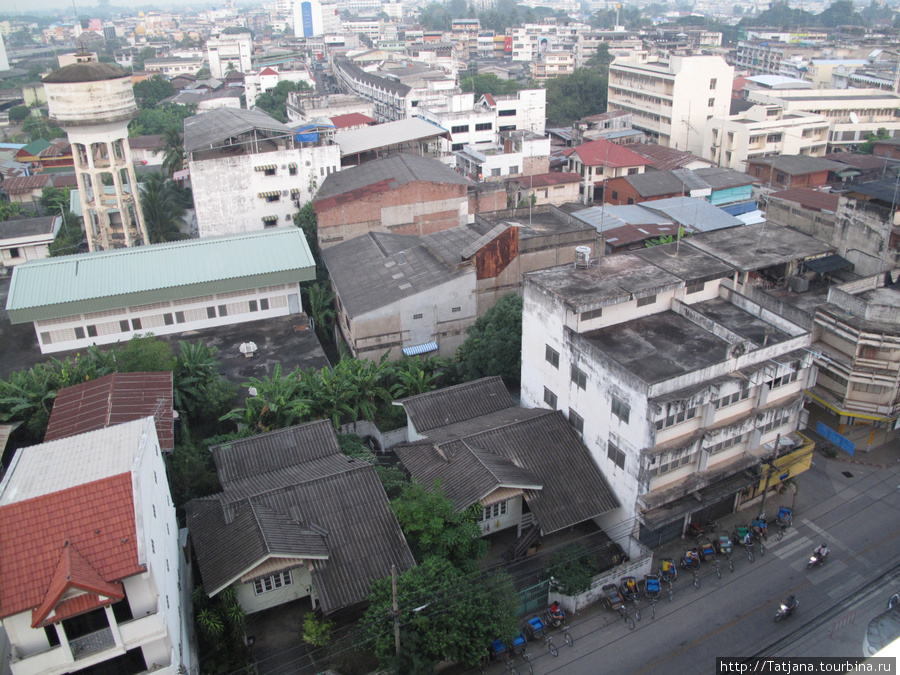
634	568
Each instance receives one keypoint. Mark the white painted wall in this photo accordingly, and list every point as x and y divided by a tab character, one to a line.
301	586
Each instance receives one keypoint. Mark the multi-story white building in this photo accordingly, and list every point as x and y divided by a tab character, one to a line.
677	383
249	171
523	111
671	99
519	153
174	66
532	40
763	131
100	582
553	64
468	124
227	52
853	114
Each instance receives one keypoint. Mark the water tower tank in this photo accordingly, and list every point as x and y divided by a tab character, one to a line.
582	257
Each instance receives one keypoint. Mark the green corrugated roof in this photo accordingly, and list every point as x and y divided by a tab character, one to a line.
36	147
92	282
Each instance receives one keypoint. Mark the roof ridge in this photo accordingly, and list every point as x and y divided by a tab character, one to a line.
259	526
475	454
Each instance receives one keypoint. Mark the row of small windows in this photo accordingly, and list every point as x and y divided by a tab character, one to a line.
493	511
736	397
271	583
465	128
676	418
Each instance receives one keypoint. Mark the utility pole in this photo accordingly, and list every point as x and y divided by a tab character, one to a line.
762	508
396	611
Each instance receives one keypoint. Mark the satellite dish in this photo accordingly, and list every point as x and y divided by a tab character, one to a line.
854	118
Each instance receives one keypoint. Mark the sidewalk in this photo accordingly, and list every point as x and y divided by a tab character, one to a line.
885	447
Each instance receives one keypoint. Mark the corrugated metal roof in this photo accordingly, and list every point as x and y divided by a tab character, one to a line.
210	128
698	214
455	404
104	280
29	227
382	135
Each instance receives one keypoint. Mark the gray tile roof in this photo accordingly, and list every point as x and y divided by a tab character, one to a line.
720	178
797	164
292	493
456	404
655	183
402	169
213	127
26	227
375	269
545	445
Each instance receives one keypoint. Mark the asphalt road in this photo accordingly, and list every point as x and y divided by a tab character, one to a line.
857	515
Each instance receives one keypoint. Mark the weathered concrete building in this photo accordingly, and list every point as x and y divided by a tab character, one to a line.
249	171
677	382
400	194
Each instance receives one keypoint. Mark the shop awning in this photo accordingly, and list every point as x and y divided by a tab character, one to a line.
711	494
270	193
295	191
270	219
266	167
292	165
420	349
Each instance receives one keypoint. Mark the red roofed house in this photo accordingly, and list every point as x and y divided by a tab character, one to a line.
600	160
26	189
352	121
114	399
92	577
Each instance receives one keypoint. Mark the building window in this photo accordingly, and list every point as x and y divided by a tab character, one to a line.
485	126
223	310
550	398
210	312
168	319
292	170
592	314
154	510
123	326
92	331
633	172
579	377
506	113
615	455
783	380
79	333
648	300
694	288
254	307
551	356
461	129
779	177
577	421
711	103
676	418
179	317
615	194
495	172
712	83
869	388
269	172
456	309
152	546
456	147
417	316
725	401
264	304
493	511
621	409
267	584
136	324
14	253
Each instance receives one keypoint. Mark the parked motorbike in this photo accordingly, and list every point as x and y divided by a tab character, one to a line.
816	559
786	608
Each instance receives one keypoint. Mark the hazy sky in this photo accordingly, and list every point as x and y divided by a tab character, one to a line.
88	9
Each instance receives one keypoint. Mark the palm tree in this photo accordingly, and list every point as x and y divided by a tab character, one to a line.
195	370
173	157
320	302
413	379
278	402
162	209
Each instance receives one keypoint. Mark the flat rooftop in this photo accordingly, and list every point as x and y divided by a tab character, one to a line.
538	224
667	345
756	247
685	262
609	280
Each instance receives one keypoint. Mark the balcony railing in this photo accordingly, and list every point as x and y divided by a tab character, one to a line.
92	643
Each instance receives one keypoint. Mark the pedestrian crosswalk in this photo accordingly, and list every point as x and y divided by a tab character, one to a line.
796	547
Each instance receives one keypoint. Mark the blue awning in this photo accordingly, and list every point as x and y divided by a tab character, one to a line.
420	349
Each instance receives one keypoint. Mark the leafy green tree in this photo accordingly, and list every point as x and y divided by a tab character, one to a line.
668	238
780	13
840	13
412	378
144	353
53	198
601	59
199	390
173	157
19	113
162	208
152	121
320	303
494	345
148	93
220	624
446	615
276	405
69	236
306	220
138	61
571	97
37	127
572	569
433	527
488	83
274	101
868	147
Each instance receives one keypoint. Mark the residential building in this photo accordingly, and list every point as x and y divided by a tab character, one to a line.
679	385
887	148
786	171
854	114
101	583
599	161
249	171
808	210
410	295
526	470
94	103
662	158
296	519
174	66
413	136
467	123
266	79
102	298
115	399
303	106
595	127
653	185
764	56
524	111
229	52
859	168
553	64
671	99
23	239
556	187
519	153
764	131
392	98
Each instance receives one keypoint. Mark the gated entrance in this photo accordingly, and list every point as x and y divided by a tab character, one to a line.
534	599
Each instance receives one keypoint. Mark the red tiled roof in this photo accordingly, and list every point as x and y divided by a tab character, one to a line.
22	184
73	572
114	399
351	120
552	178
663	158
809	199
490	99
738	83
268	71
604	153
97	518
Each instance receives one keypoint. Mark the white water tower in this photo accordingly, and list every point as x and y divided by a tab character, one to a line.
94	102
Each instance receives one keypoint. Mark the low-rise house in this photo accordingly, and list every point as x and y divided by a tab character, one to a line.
296	519
518	153
556	187
24	239
860	168
147	150
787	171
99	581
526	469
599	161
26	189
412	136
114	399
110	296
663	158
888	148
653	185
401	194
